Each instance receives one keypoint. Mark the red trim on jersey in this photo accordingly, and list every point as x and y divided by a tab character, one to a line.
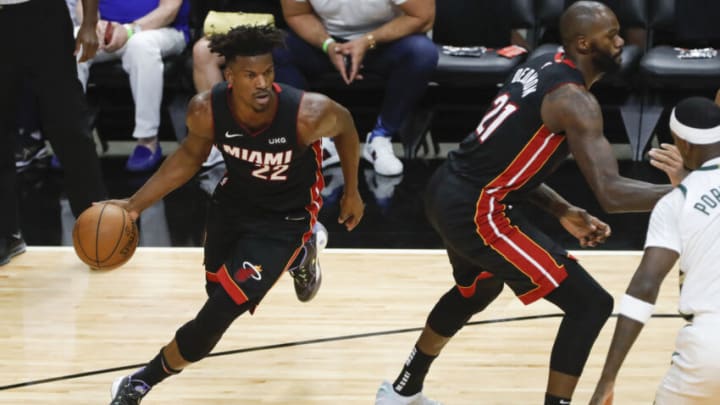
469	291
315	197
495	229
316	200
560	58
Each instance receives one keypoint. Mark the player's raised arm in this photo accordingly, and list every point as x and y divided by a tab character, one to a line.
574	111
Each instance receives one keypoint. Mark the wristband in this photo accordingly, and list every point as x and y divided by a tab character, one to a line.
371	41
636	309
327	43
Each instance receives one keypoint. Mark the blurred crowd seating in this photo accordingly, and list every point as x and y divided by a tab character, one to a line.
671	55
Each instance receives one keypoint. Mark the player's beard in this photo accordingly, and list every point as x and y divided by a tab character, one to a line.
604	61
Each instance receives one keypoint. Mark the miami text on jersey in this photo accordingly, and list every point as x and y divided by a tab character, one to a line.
270	165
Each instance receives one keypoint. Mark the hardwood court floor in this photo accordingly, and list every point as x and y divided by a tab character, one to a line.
66	332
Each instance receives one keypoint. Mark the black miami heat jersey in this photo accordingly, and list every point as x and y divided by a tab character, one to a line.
511	151
268	170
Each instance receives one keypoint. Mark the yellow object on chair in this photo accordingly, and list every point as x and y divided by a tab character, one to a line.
220	22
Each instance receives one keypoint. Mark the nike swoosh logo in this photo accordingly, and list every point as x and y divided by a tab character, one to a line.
229	135
289	218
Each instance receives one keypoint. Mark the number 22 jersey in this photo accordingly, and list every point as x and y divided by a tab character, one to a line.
268	170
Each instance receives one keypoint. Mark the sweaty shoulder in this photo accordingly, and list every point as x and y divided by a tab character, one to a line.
199	114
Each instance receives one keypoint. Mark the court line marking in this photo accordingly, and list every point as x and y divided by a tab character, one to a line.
292	344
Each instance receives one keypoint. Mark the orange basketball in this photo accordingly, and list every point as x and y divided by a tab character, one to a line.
105	237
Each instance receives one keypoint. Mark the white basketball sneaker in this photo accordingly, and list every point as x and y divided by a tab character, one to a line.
379	152
386	395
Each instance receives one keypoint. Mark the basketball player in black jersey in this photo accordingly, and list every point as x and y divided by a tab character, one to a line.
543	112
263	210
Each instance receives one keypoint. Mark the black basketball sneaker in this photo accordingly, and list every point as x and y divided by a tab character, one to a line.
126	391
306	275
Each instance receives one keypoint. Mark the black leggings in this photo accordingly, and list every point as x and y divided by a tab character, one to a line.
586	304
198	337
587	307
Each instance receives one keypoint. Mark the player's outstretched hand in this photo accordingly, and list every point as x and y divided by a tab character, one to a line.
351	210
668	159
124	204
588	229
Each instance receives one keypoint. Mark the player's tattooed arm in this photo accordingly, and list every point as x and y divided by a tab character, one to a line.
573	111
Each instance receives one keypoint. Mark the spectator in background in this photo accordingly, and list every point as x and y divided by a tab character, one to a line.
31	146
385	37
207	65
46	25
140	33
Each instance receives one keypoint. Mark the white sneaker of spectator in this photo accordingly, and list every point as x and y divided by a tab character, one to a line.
382	187
214	158
329	153
379	152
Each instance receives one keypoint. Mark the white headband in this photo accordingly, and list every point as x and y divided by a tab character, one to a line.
697	136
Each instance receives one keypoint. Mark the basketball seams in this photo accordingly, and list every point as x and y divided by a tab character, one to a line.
108	228
118	239
78	244
97	235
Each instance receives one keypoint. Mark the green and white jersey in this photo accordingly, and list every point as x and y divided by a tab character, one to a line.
687	220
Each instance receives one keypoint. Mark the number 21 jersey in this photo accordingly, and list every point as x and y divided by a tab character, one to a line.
511	151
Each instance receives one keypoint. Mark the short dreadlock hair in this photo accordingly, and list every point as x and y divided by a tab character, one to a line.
247	41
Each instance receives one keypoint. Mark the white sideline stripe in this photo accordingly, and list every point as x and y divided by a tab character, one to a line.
346	251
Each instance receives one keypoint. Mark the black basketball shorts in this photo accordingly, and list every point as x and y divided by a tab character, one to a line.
499	245
246	255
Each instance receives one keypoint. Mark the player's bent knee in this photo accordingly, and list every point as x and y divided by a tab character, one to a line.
198	337
599	309
453	310
194	343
